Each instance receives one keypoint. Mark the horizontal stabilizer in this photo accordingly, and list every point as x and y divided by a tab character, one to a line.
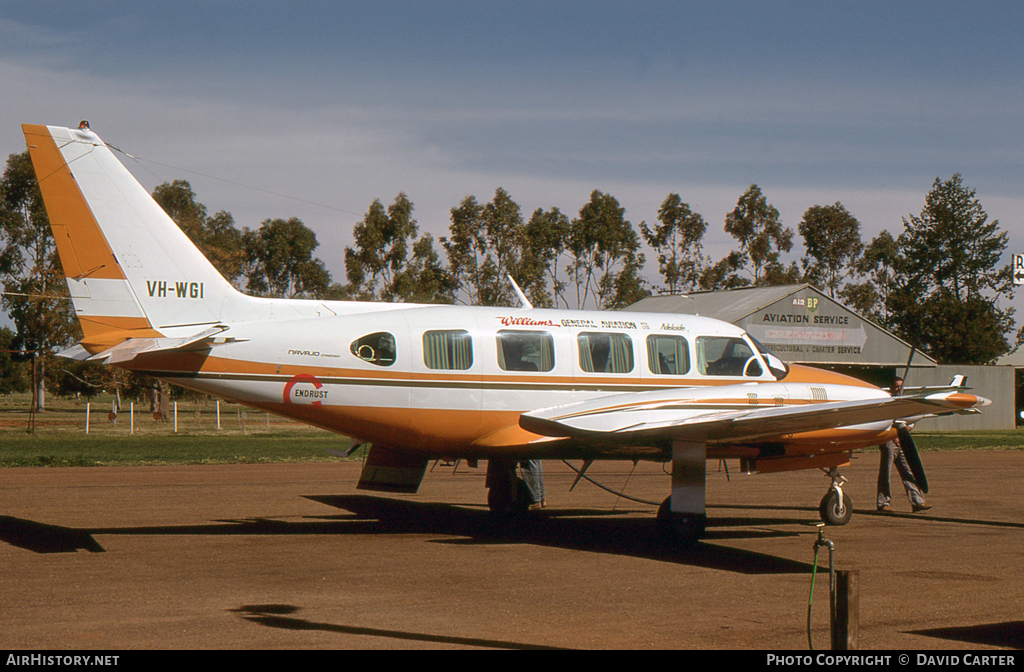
77	353
133	347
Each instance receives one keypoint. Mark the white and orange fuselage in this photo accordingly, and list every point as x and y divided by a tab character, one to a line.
418	381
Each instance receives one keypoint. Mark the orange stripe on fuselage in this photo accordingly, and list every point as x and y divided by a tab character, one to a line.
450	431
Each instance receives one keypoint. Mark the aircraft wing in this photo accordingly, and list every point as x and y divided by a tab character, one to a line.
727	416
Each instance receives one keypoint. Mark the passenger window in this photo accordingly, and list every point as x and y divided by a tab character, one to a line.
605	353
726	356
377	348
668	355
526	351
447	349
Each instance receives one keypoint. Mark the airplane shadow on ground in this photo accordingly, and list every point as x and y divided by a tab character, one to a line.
582	530
282	616
588	530
1009	634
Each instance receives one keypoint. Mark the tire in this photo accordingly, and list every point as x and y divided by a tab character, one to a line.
684	529
832	511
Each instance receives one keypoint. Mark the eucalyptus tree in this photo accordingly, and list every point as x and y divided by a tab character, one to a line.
832	242
605	257
278	260
35	293
485	246
757	227
677	241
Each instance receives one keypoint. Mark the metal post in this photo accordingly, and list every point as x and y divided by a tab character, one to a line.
131	411
87	405
218	415
175	417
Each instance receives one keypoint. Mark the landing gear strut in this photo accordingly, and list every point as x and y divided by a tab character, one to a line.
836	507
682	517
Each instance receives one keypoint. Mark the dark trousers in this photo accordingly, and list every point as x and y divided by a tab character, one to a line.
891	453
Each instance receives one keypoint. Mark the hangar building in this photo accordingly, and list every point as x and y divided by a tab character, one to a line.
803	325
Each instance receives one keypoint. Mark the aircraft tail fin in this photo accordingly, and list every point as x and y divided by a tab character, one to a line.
131	271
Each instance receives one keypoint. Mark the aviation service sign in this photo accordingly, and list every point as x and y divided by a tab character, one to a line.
1018	269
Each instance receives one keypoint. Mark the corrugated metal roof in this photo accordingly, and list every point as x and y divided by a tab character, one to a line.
728	305
1014	358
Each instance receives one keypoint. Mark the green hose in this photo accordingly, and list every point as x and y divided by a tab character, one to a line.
810	598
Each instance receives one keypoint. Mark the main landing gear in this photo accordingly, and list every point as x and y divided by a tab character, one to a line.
682	518
507	494
836	507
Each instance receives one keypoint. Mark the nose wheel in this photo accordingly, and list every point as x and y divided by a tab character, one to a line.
836	507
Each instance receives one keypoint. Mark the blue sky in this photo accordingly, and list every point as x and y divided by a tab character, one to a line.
313	109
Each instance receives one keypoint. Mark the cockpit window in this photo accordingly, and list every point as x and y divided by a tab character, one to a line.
727	356
377	348
778	368
667	354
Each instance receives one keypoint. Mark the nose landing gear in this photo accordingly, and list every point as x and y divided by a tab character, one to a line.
836	507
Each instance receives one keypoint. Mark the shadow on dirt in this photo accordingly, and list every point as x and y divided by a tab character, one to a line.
581	530
1009	634
283	616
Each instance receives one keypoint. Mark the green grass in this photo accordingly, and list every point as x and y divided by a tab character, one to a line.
58	436
974	440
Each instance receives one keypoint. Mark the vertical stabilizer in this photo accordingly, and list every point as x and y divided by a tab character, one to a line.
131	271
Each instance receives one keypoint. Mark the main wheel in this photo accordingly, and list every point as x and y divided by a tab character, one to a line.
512	500
680	528
833	511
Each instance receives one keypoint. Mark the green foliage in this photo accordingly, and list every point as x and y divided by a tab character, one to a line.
279	260
948	280
832	241
605	255
14	370
216	237
35	293
878	262
677	240
486	246
756	225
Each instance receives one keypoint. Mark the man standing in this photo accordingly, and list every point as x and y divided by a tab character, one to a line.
891	453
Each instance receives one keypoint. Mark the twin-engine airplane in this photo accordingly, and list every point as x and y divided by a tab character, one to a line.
421	382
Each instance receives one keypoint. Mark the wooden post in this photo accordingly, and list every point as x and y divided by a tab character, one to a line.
846	626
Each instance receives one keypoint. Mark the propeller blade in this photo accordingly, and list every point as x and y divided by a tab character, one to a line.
913	457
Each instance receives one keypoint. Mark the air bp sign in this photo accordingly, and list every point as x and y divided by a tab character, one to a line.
1018	269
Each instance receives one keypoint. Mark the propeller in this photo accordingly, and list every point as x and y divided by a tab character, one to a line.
907	441
913	457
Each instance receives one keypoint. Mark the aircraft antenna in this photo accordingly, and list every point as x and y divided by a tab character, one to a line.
522	297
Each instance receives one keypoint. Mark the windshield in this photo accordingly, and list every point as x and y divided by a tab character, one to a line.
778	367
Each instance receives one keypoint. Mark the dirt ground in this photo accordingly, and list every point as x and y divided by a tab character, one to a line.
292	556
